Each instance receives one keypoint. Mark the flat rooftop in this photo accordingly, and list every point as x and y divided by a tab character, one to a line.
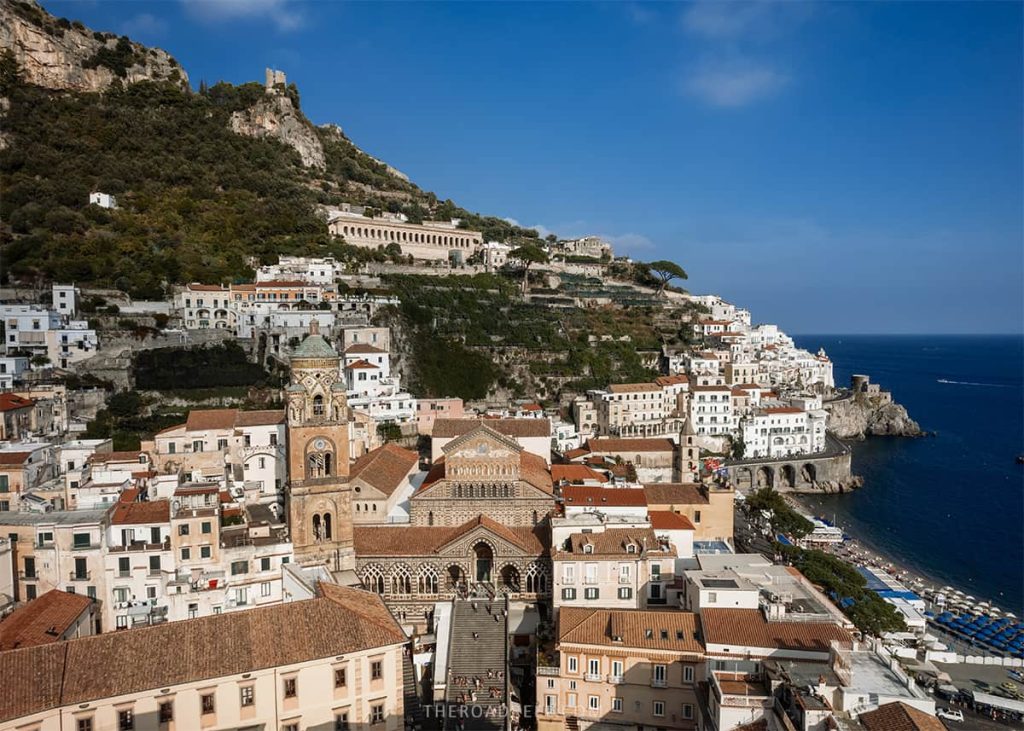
56	517
870	674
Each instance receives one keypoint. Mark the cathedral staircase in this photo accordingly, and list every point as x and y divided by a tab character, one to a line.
478	643
411	695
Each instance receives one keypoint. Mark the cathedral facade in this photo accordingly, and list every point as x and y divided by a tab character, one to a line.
487	473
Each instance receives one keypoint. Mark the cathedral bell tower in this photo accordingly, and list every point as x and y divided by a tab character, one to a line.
319	497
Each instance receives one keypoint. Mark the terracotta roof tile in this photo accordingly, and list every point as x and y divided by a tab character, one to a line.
634	387
204	419
575	473
749	628
529	427
107	457
42	620
128	513
613	542
667	520
339	622
899	717
576	495
674	493
427	540
385	468
14	458
33	678
357	348
672	631
672	380
12	402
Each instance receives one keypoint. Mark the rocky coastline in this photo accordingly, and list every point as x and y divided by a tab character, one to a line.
859	415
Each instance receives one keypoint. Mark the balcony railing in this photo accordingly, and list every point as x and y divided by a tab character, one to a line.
28	575
545	670
80	576
659	683
616	679
594	677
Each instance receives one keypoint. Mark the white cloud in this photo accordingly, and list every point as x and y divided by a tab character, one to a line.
735	83
540	228
282	13
730	21
641	13
143	24
629	243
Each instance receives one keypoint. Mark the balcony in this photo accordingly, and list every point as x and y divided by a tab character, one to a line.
80	576
594	677
590	580
546	670
616	679
659	683
625	578
85	546
136	546
28	575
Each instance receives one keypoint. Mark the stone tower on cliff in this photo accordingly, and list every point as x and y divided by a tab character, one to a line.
319	497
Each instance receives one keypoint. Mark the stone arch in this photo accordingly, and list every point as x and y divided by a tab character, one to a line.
536	578
427	580
401	579
510	577
744	478
483	561
372	577
454	575
764	477
809	473
787	475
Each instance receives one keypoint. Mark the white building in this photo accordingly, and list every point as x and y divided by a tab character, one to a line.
103	200
321	271
11	369
39	331
783	431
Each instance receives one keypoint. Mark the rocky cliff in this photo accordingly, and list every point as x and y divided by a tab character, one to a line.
60	54
862	415
276	117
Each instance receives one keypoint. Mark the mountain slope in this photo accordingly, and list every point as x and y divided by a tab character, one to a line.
198	201
57	53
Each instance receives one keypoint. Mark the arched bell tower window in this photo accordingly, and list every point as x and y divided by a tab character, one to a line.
319	464
317	527
327	526
318	405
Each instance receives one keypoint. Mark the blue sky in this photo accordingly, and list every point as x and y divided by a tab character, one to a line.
836	167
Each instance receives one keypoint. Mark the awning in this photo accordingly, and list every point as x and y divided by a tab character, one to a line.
995	701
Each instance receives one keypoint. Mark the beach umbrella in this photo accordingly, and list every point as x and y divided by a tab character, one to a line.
1011	615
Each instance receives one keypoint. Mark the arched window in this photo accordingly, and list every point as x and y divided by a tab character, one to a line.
535	517
373	579
327	463
317	528
427	582
327	526
401	581
430	518
536	578
318	405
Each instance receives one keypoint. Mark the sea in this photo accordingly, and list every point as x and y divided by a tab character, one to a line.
949	506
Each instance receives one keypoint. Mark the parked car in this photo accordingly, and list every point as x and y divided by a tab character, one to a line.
951	714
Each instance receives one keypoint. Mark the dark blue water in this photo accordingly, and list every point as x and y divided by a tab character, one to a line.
949	506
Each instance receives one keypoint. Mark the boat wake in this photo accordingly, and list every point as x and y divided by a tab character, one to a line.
972	383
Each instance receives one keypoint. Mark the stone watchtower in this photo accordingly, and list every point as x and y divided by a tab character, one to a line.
319	497
273	78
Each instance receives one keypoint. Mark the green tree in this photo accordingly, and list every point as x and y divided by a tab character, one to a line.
528	254
664	272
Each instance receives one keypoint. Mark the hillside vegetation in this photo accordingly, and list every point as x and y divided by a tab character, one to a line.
197	202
